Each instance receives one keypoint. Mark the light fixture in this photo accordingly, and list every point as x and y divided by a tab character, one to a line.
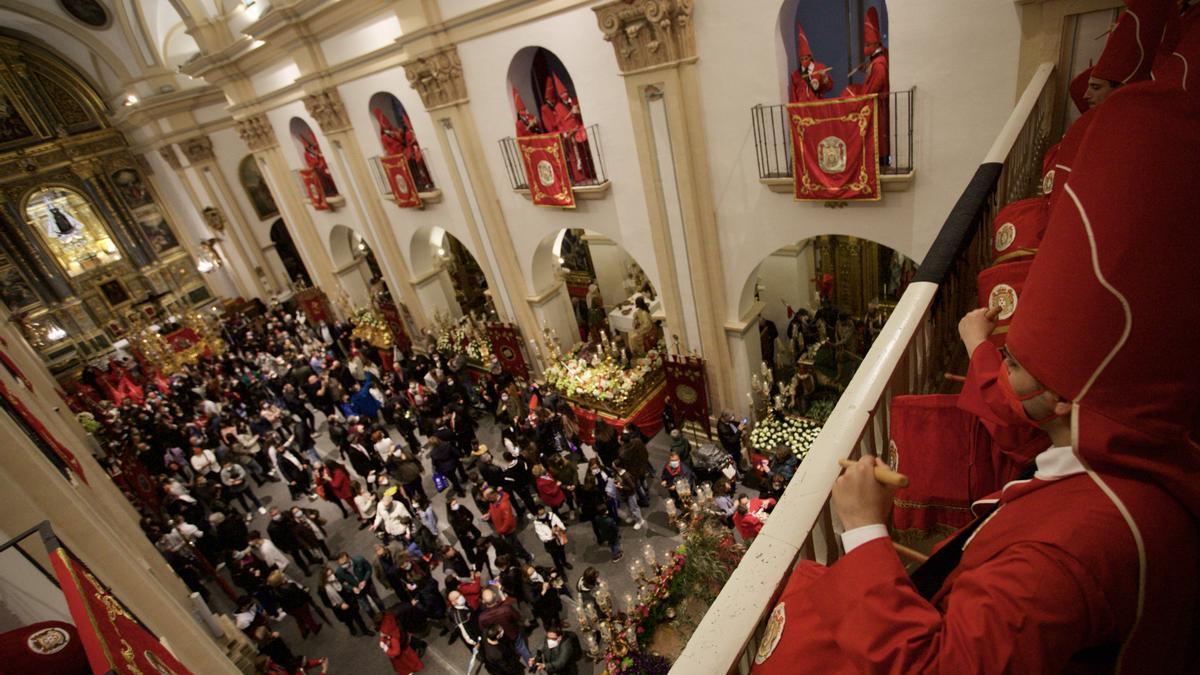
131	99
441	252
55	333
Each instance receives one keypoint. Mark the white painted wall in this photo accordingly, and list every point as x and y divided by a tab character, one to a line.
364	38
277	76
786	278
961	56
575	39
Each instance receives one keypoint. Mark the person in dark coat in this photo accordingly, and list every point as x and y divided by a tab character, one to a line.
447	460
282	531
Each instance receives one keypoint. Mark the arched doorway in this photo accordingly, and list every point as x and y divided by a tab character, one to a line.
602	286
397	137
285	248
823	302
354	264
451	281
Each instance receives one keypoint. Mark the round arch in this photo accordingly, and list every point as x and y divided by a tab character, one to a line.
397	136
285	248
834	32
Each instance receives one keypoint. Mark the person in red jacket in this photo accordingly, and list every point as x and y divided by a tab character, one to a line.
398	646
750	515
336	482
504	521
877	79
548	489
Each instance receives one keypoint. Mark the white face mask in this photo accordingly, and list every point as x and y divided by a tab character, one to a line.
460	603
674	464
552	644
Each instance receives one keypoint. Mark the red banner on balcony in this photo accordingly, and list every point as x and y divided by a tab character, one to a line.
835	150
400	179
546	170
114	641
687	390
25	417
312	188
506	345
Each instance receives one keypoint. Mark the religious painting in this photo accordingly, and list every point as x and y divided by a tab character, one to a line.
131	188
88	12
15	291
256	189
114	292
12	125
157	232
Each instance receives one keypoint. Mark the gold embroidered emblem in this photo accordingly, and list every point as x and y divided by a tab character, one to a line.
1004	297
1048	182
1006	234
831	154
686	394
48	641
545	173
771	635
892	458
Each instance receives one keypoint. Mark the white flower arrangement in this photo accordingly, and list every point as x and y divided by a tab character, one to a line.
794	433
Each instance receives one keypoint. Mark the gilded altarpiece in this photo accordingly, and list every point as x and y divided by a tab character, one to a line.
86	250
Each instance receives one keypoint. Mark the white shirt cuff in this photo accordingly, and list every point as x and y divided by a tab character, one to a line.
852	539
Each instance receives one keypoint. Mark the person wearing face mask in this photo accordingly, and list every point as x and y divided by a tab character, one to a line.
463	619
356	575
552	533
676	474
561	652
1086	566
389	516
462	523
340	599
498	654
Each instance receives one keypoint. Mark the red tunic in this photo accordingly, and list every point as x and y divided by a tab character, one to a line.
397	645
811	88
500	514
877	83
1048	583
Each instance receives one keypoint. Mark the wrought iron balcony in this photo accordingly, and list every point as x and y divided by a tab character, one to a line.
591	187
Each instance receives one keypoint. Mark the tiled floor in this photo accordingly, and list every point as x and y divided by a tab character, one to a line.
350	655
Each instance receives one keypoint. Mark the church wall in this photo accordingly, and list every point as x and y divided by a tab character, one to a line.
600	90
447	214
229	150
369	35
964	67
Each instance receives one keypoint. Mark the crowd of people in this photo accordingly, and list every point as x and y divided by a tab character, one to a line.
403	428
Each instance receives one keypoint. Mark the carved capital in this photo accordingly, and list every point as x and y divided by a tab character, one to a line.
197	149
327	109
648	34
256	132
169	156
438	77
85	169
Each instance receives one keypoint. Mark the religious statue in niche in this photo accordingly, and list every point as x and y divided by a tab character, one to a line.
132	189
60	224
316	161
256	189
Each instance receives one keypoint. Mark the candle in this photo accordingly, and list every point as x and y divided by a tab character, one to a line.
671	510
649	554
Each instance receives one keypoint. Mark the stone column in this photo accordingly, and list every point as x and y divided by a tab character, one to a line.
260	138
655	49
437	77
241	278
327	109
199	153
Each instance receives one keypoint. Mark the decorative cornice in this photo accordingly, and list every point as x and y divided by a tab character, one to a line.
168	154
648	34
256	132
327	109
438	77
197	149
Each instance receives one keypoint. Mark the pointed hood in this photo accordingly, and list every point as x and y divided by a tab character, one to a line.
871	31
1107	306
520	105
1000	287
1178	62
548	93
1078	87
1129	53
561	90
802	47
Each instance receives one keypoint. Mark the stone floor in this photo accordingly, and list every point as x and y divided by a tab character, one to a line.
349	655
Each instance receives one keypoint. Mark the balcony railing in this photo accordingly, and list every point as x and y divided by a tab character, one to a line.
915	347
773	145
516	169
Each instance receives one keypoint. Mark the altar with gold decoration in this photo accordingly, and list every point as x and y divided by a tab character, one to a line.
464	335
602	381
180	341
